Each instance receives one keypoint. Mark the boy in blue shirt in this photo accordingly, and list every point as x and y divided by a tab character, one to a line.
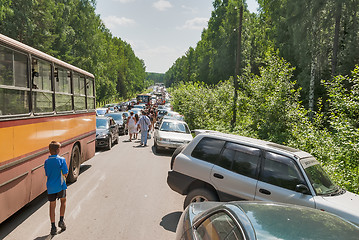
56	171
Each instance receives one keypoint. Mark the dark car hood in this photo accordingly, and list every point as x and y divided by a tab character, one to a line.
101	131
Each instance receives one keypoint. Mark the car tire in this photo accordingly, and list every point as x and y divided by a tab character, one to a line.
75	161
157	148
200	195
109	143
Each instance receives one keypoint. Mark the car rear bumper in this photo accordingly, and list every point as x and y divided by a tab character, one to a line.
169	145
179	182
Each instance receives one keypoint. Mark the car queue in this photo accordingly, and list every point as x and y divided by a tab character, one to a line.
276	188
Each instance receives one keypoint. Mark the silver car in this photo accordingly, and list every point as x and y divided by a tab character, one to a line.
171	134
260	220
226	167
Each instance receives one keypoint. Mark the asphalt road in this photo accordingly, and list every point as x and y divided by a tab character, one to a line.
120	194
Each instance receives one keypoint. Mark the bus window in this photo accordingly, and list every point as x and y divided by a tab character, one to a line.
41	84
13	102
13	74
41	75
63	98
6	66
79	92
90	93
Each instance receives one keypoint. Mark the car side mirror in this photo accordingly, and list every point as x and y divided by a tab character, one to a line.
301	188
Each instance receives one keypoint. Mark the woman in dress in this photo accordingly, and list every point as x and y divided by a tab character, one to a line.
131	125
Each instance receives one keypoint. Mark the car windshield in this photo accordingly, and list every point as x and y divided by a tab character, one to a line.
117	117
101	123
174	127
126	114
319	179
101	111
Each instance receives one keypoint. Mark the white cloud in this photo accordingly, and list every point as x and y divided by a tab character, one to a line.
195	24
157	58
112	21
162	5
189	9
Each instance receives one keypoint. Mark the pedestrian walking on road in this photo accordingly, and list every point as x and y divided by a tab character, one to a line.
131	125
145	125
136	131
56	172
152	117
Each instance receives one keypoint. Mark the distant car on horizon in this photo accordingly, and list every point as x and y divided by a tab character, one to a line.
261	221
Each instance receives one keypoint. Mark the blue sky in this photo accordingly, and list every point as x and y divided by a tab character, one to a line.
159	31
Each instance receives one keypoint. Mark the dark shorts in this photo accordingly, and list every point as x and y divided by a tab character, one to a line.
52	197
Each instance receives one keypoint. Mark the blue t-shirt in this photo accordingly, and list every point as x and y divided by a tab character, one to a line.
55	166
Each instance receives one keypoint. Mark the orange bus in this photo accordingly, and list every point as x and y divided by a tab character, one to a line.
41	99
143	98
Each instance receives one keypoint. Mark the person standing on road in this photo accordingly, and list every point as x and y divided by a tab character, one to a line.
152	117
144	124
136	129
131	125
56	172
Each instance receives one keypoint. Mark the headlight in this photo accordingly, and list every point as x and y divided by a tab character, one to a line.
102	135
164	140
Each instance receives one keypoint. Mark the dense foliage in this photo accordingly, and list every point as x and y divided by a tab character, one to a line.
71	31
155	77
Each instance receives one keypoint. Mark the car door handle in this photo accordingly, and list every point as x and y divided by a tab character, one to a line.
216	175
266	192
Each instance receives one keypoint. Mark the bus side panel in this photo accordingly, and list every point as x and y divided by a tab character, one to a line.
28	143
6	144
14	193
89	142
38	179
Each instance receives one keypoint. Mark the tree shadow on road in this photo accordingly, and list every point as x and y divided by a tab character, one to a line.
170	221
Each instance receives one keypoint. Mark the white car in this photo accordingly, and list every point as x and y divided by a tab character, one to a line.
101	111
171	134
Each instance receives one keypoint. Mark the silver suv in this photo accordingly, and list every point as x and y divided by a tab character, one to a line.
224	167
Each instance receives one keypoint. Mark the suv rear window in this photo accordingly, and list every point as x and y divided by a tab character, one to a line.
208	149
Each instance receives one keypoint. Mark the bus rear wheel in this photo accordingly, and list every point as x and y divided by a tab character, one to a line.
75	162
